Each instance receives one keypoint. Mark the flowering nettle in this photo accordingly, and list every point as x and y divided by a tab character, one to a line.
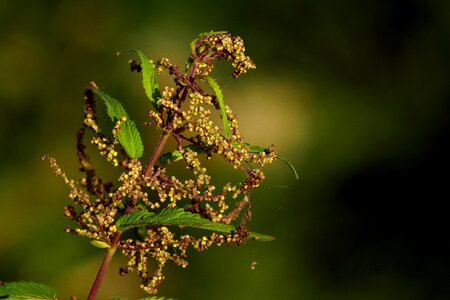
146	196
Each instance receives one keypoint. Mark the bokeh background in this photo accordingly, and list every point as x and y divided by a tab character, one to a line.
354	93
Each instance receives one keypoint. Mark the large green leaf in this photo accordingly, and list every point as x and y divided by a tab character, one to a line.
219	96
26	290
149	79
128	135
178	216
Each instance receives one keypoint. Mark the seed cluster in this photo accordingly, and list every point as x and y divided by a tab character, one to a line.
184	112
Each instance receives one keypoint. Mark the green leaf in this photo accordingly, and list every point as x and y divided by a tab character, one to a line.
128	135
170	157
149	79
204	34
259	149
26	290
219	96
290	165
130	139
178	216
114	108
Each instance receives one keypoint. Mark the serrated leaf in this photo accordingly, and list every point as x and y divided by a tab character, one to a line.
26	290
128	135
178	216
219	96
130	139
149	79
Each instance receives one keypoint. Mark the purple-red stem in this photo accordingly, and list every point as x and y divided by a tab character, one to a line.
156	153
101	273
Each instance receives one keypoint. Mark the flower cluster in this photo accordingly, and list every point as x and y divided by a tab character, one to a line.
184	114
221	46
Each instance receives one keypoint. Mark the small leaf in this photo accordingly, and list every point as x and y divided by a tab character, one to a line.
149	79
259	149
176	155
170	157
260	237
128	135
130	139
290	165
219	96
26	290
99	244
114	108
204	34
178	216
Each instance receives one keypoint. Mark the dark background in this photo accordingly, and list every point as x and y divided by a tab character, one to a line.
354	93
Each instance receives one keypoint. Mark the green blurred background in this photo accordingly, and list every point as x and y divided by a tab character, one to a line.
354	93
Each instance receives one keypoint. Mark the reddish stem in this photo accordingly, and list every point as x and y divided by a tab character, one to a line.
101	273
156	153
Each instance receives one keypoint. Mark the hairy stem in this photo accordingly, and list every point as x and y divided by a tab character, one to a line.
101	273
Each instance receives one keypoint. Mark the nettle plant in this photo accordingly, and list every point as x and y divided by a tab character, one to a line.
147	212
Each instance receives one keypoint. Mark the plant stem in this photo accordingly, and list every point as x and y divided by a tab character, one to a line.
192	74
157	152
101	273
